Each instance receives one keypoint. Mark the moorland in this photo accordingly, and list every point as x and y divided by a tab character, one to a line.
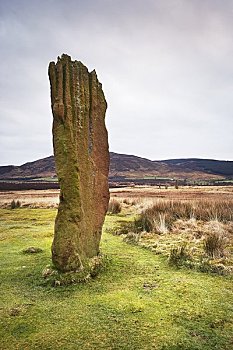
165	283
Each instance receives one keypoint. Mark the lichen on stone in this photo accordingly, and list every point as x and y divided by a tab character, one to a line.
82	163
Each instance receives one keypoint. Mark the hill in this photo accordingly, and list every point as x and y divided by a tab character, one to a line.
131	167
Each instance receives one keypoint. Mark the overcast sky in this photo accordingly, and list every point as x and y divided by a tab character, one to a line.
166	67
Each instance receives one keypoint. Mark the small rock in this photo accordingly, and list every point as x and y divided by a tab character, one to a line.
15	311
32	250
47	272
57	283
149	286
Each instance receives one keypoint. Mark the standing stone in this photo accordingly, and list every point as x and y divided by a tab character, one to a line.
81	153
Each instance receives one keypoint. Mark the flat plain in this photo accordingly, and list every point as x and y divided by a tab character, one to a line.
48	198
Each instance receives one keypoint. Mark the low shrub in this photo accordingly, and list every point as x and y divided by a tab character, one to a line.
179	255
214	245
114	206
15	204
143	223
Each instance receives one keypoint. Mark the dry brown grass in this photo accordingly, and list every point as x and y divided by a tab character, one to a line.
114	206
214	245
136	196
196	233
166	212
30	198
183	193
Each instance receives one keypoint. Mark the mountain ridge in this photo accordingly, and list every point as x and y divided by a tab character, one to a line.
131	166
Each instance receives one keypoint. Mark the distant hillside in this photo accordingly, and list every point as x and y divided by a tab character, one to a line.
130	166
39	168
210	166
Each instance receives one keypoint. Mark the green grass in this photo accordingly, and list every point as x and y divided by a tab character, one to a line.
136	302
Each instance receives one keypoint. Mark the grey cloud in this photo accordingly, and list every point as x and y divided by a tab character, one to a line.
166	69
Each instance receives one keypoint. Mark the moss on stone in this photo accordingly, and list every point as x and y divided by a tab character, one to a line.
82	162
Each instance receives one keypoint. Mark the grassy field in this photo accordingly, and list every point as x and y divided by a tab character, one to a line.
136	302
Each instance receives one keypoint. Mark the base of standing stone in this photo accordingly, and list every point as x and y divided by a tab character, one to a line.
57	278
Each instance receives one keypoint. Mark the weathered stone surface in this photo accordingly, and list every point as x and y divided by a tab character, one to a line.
82	163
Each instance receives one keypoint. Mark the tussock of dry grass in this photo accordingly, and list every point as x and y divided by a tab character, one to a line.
114	206
191	233
166	212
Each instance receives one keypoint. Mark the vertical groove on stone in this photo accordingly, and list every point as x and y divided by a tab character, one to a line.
90	128
82	162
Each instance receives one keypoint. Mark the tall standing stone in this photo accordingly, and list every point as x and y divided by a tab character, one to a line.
82	163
